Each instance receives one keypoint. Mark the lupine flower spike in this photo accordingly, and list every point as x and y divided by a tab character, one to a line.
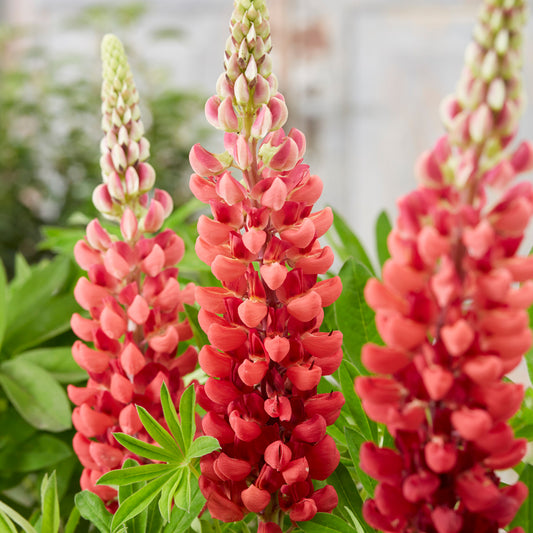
131	293
452	309
266	353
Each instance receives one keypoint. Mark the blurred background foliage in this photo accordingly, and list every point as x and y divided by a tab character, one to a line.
50	133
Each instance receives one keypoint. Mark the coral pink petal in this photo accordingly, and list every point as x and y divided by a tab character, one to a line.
252	312
306	307
273	274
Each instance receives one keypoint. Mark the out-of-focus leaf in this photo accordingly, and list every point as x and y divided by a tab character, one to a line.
353	316
6	525
60	239
3	303
14	429
36	395
349	245
73	521
49	504
37	452
58	362
93	509
16	518
383	228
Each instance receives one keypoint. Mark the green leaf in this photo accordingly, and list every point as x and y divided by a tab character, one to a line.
183	493
138	501
73	521
59	239
181	520
167	494
3	303
350	245
365	426
14	429
6	525
183	212
143	449
349	497
39	326
49	504
200	337
15	517
524	517
354	317
36	395
22	271
354	441
202	446
138	523
159	433
93	509
187	414
40	307
58	362
171	417
326	523
383	228
133	474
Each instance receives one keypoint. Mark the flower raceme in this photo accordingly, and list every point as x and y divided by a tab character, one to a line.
266	353
452	310
131	293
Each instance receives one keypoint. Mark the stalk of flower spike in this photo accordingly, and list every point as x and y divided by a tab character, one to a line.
132	292
452	309
266	353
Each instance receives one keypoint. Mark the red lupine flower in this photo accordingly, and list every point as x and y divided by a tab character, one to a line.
266	354
132	293
452	310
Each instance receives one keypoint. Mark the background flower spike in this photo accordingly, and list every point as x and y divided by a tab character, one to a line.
452	308
132	293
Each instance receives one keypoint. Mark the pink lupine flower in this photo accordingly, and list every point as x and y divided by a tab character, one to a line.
266	354
131	293
452	310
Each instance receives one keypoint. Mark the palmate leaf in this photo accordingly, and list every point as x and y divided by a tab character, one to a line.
133	473
137	502
159	433
171	417
138	523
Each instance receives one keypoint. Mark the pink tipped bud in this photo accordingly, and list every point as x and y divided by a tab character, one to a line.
230	190
128	225
522	159
299	138
224	87
282	157
279	111
97	236
154	217
211	111
102	199
115	187
261	91
241	90
227	118
205	163
146	174
165	200
131	179
262	123
118	156
481	123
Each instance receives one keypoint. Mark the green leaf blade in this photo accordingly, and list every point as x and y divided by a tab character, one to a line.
187	414
202	446
93	509
143	449
133	474
159	433
383	228
36	395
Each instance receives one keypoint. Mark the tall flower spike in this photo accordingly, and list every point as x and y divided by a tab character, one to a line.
267	354
452	309
132	293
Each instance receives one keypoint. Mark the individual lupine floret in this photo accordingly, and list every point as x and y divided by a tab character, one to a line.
452	309
131	293
266	353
